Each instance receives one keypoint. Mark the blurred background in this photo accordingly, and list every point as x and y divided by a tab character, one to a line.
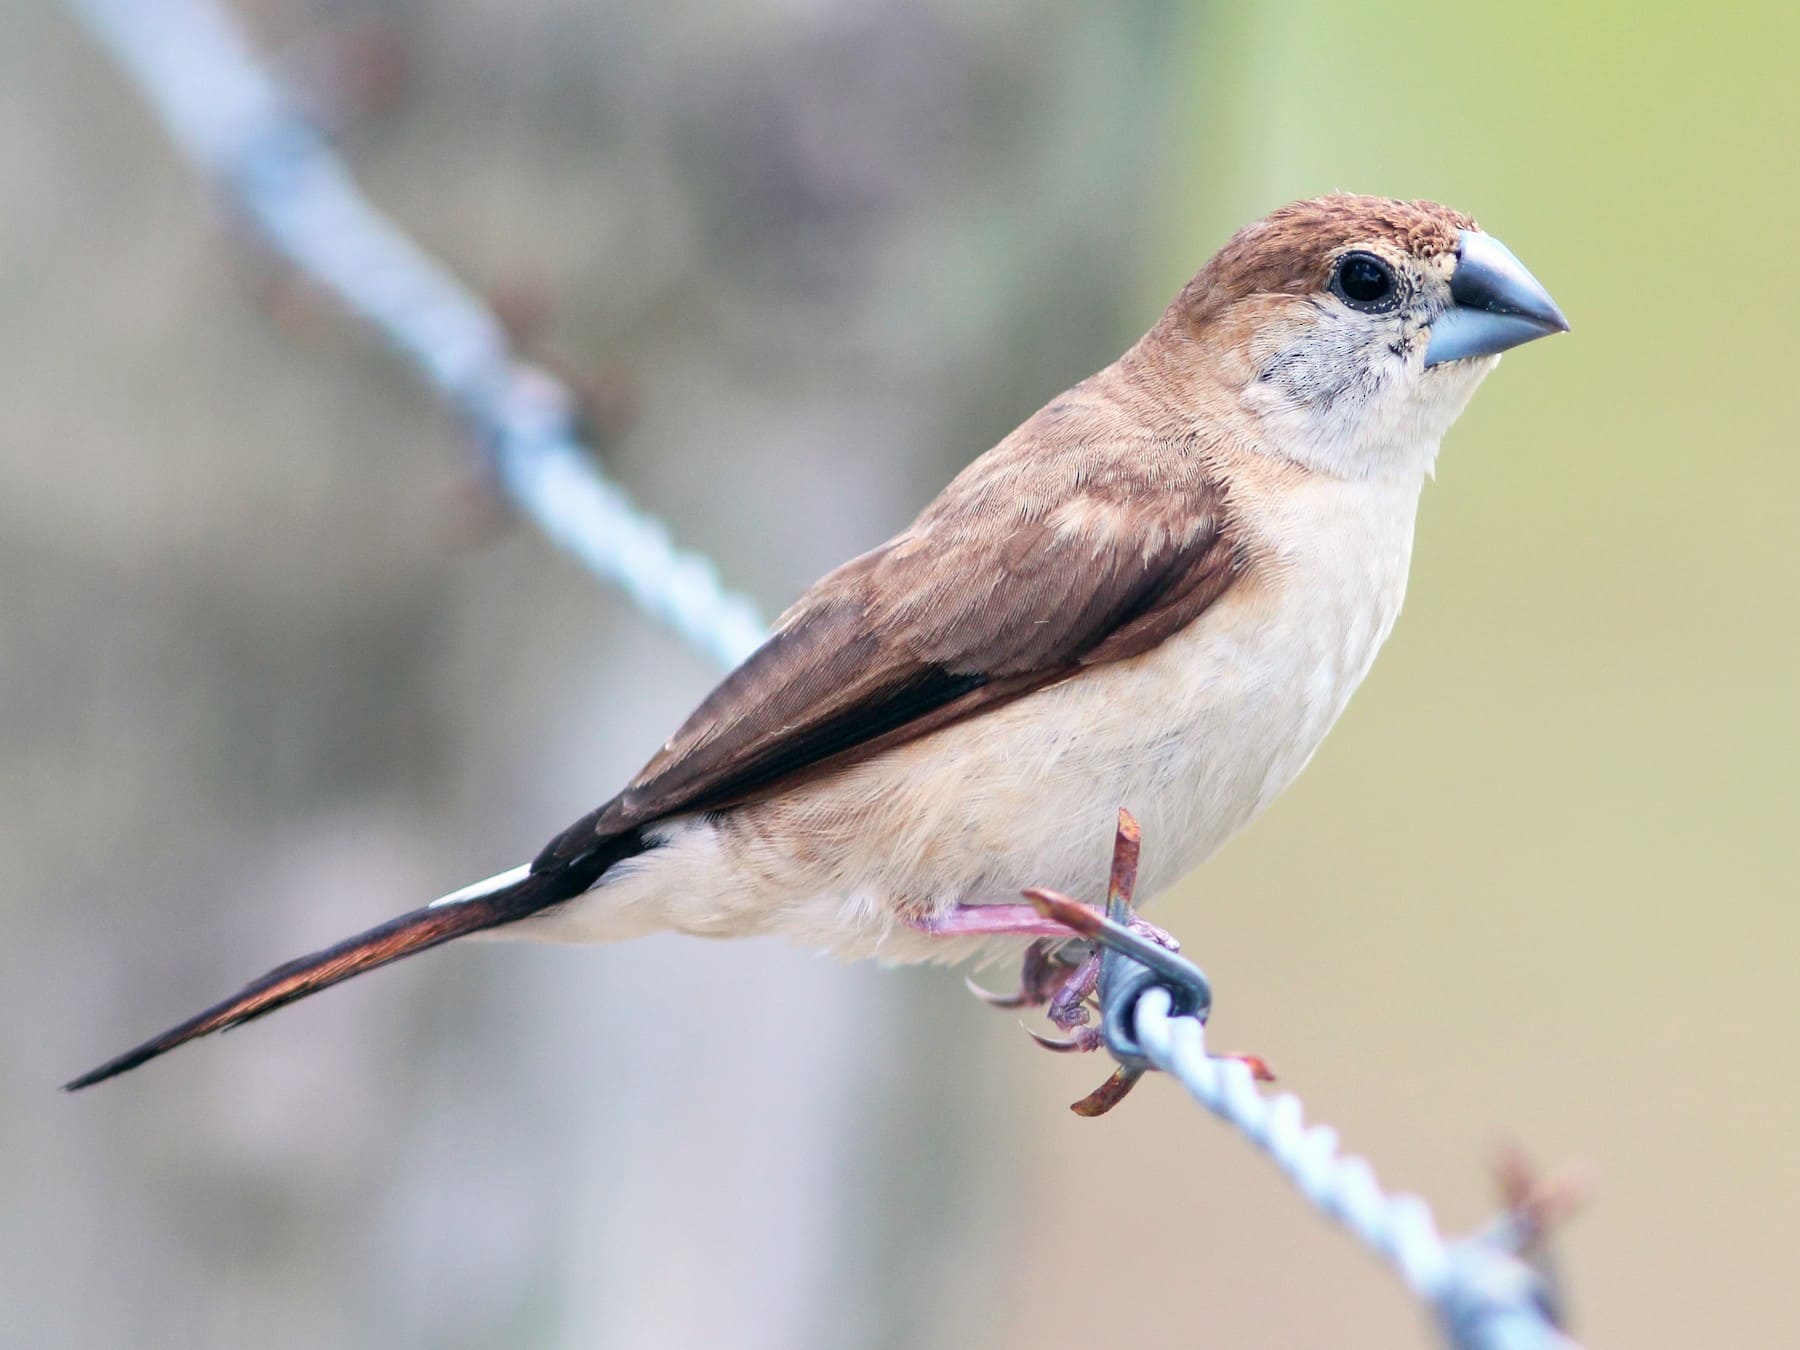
269	673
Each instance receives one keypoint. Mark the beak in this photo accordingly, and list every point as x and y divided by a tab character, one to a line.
1498	304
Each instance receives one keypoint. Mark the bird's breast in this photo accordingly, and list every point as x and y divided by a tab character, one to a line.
1199	735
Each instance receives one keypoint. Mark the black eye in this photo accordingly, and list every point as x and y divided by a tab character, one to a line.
1365	282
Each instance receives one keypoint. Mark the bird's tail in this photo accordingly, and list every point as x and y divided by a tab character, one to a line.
487	904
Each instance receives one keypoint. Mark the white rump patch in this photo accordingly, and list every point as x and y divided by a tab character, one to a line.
511	877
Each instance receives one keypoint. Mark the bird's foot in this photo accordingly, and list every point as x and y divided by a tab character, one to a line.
1061	978
1062	967
1059	975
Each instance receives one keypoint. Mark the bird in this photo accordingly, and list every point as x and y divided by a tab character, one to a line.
1160	590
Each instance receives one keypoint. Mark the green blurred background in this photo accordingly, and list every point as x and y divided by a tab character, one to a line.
266	676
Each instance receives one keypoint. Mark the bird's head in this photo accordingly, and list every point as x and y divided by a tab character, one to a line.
1352	330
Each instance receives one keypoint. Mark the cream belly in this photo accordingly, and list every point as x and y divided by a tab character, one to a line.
1195	738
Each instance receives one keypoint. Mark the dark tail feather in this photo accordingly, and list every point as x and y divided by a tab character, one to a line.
379	946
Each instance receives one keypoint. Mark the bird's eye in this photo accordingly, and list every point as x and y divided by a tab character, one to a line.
1365	282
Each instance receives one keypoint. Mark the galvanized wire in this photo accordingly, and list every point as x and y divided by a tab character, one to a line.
195	65
1485	1296
218	102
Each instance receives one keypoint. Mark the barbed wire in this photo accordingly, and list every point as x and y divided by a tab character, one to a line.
1153	1007
1485	1295
193	62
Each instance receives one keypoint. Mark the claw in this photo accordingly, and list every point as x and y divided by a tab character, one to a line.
1043	974
1084	1040
996	1000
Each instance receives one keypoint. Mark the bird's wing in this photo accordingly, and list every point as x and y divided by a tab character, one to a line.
1004	586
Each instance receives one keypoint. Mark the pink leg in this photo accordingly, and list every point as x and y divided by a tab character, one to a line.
1020	921
993	921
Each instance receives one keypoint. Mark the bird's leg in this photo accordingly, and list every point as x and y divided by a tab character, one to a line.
1010	920
1065	974
1049	975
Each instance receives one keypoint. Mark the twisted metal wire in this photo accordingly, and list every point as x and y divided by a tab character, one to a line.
1485	1296
194	64
226	111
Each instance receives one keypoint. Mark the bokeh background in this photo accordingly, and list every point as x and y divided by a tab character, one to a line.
269	671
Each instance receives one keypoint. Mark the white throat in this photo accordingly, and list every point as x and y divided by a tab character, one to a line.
1330	407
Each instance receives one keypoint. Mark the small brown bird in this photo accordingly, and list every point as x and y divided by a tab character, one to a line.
1160	591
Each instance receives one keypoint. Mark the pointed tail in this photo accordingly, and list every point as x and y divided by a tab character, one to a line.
502	899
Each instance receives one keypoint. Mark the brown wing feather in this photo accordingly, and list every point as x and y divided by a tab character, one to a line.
1023	572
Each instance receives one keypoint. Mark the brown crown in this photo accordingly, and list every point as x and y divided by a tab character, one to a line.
1292	250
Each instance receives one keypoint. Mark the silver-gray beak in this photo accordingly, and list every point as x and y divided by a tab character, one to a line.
1498	304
